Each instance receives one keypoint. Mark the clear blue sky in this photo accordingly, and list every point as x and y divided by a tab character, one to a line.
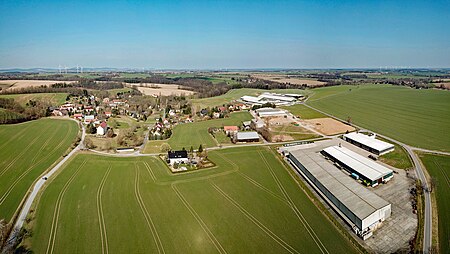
225	34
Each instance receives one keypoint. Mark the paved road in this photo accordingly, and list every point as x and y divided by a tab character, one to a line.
36	188
428	225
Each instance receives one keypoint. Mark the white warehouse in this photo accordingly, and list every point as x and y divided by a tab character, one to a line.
277	99
362	209
369	143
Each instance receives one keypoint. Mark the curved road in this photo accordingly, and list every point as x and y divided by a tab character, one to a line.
36	188
427	234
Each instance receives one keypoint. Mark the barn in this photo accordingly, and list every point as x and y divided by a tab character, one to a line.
369	143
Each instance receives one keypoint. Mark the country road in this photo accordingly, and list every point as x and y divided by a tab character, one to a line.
35	190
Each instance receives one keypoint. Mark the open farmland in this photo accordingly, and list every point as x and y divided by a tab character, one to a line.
304	112
13	84
22	99
161	89
235	94
439	169
26	151
416	117
196	134
248	203
284	78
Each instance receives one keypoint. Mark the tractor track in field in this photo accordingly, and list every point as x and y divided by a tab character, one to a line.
197	217
101	217
294	208
146	214
11	163
56	211
253	219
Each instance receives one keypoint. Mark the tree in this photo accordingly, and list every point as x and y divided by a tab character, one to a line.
88	143
92	129
110	133
200	148
165	148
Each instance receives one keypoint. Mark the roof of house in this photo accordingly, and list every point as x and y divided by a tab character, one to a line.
78	115
104	125
247	135
364	166
230	128
177	154
371	142
91	117
359	200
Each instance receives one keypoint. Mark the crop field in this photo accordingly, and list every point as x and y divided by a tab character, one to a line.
439	169
248	203
30	83
304	112
194	134
53	98
161	89
26	151
416	117
292	79
238	93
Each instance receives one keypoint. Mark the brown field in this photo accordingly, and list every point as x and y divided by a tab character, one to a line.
445	84
287	79
328	126
29	83
161	89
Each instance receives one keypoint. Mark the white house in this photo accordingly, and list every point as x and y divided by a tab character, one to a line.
102	128
177	157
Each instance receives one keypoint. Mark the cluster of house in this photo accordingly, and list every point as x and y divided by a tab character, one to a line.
161	130
273	98
219	112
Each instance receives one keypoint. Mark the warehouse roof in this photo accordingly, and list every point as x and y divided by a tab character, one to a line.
275	97
359	200
369	141
359	163
247	135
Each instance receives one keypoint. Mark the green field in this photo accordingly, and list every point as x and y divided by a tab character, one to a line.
249	203
26	151
238	93
398	158
194	134
55	99
416	117
439	169
304	112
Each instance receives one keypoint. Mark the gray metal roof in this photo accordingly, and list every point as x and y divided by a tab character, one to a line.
247	135
361	201
371	142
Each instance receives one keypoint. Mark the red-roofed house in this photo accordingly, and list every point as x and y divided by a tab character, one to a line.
108	113
230	129
78	116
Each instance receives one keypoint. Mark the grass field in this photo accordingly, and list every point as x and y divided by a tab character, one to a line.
194	134
26	151
419	118
238	93
439	169
398	158
304	112
249	203
53	98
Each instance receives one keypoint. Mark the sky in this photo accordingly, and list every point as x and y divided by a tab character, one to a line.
224	34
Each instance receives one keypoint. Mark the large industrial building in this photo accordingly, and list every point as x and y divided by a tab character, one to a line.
277	99
369	143
362	209
359	166
270	112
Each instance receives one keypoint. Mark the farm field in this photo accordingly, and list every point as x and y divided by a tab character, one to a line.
22	99
194	134
304	112
29	83
398	158
26	151
248	203
419	118
163	89
439	169
238	93
285	78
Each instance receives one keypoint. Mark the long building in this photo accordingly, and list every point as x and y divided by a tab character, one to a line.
268	112
362	209
277	99
369	143
359	166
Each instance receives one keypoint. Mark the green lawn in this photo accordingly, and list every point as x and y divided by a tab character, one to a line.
194	134
238	93
304	112
55	99
398	158
419	118
26	151
439	169
249	203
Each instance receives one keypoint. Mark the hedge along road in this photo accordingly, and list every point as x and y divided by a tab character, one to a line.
35	190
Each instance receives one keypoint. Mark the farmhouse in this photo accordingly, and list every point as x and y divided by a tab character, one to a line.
177	157
102	128
250	136
78	116
369	143
359	166
362	209
230	129
268	112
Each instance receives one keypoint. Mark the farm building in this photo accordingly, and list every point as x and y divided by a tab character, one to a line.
246	125
89	119
362	209
102	128
268	112
358	165
277	99
230	129
250	136
369	143
177	157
